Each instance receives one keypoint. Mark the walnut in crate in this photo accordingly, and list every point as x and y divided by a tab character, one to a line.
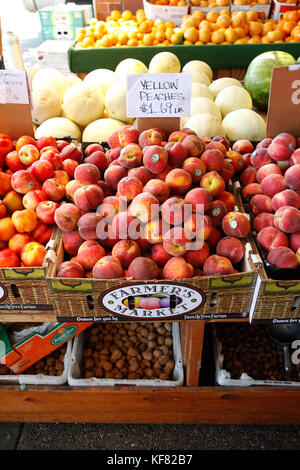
249	349
128	351
53	364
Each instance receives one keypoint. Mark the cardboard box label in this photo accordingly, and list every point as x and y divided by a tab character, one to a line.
284	101
161	300
159	95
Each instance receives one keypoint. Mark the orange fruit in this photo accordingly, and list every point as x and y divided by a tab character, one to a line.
225	11
169	32
115	14
267	27
217	37
87	42
224	21
240	19
132	42
292	16
288	26
240	32
169	24
126	15
199	15
252	15
212	16
160	36
255	28
231	35
175	38
204	35
191	34
254	40
295	34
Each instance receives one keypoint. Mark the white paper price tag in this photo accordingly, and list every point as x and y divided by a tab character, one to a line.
158	95
13	87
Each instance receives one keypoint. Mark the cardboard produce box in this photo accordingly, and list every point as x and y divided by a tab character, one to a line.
52	369
165	12
68	14
279	8
22	345
54	54
261	9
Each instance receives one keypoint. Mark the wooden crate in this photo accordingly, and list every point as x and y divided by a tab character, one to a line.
213	296
24	291
274	299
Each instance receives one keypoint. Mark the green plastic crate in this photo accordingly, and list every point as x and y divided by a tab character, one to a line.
219	56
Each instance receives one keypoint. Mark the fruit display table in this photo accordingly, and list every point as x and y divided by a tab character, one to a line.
191	403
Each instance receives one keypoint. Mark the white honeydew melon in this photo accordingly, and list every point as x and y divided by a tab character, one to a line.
205	125
115	101
31	71
164	62
201	90
202	105
83	103
73	79
200	77
51	78
102	78
129	65
100	130
46	105
218	85
244	124
194	65
59	128
232	98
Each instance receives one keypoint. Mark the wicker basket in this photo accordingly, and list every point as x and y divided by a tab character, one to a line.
213	296
24	291
277	296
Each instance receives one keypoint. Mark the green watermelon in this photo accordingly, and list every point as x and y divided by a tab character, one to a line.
257	80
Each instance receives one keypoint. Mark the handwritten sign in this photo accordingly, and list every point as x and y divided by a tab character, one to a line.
15	103
158	95
14	87
284	101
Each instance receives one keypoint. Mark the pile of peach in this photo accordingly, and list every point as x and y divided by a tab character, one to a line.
153	207
271	186
239	27
33	179
125	29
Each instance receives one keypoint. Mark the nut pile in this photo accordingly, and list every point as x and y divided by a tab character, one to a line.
53	364
249	349
128	351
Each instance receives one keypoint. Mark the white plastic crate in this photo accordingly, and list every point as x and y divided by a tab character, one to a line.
40	379
75	379
223	377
